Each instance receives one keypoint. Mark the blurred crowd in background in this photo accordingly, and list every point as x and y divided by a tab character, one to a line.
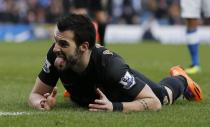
114	11
22	20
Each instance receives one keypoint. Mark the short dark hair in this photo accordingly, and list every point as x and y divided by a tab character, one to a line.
81	26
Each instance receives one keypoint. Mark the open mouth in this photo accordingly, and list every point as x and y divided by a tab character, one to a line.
60	61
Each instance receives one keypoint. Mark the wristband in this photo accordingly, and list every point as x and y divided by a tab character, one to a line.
117	106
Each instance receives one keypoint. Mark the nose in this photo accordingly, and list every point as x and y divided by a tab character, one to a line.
56	48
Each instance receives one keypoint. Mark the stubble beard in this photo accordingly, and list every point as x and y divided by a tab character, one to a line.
72	60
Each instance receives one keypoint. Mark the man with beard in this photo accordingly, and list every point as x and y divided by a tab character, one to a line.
99	79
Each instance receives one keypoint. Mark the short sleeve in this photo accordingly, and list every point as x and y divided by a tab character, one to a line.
121	74
49	74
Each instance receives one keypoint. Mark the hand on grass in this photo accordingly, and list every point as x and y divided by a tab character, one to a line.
49	100
101	104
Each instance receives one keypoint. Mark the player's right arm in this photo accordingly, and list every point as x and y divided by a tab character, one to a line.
42	96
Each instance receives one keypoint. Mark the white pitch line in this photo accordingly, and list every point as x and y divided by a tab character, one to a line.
14	113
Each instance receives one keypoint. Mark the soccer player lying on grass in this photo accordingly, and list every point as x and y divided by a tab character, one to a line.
99	79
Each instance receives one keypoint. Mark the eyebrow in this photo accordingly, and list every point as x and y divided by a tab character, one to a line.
61	41
56	39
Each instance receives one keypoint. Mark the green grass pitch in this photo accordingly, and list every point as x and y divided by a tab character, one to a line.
20	64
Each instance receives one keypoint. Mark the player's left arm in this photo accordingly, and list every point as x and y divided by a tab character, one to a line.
145	100
144	97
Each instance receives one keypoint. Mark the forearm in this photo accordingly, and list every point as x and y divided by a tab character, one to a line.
35	99
142	105
145	100
42	96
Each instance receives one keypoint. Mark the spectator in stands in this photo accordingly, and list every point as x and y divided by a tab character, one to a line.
125	11
96	9
8	11
54	11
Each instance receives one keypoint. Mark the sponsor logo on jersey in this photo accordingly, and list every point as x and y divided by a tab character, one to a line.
105	52
127	80
99	46
46	66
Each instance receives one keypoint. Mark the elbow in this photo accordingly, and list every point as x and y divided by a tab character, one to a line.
30	100
33	100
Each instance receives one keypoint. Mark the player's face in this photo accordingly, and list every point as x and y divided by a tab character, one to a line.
66	50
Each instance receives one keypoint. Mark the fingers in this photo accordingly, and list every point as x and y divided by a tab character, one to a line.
95	110
97	106
44	105
101	94
101	102
54	92
49	100
46	95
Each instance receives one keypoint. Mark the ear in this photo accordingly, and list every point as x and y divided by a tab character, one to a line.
84	46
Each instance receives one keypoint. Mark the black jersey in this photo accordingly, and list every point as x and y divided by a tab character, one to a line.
106	70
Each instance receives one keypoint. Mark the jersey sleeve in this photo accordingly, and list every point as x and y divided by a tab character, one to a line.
121	74
49	74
